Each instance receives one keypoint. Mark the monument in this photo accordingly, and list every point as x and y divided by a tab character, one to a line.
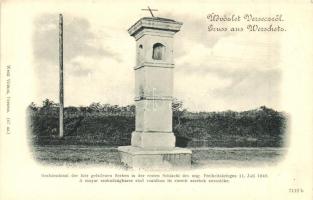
153	142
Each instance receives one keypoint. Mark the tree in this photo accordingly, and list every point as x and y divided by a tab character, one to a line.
32	106
95	106
178	111
48	103
177	105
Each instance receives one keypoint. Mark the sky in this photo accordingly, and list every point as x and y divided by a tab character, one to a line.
214	71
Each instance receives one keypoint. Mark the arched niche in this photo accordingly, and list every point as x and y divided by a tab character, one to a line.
140	53
158	52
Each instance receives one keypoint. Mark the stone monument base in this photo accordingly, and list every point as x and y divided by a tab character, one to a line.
140	158
155	140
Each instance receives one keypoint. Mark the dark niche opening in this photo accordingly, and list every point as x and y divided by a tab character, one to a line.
158	51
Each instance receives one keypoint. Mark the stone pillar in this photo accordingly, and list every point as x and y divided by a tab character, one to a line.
153	142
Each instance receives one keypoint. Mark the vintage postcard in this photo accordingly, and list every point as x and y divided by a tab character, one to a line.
156	99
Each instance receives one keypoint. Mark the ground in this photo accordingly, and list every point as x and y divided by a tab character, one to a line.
76	155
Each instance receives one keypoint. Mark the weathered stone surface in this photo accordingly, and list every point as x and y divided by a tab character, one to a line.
139	158
154	115
151	81
153	140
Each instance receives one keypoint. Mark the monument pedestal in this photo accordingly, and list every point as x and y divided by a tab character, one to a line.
140	158
155	140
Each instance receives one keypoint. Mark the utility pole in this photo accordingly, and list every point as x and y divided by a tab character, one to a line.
61	89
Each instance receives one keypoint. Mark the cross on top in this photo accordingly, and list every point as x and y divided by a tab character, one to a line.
150	10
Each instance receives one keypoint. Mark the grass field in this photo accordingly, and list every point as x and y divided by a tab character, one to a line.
76	155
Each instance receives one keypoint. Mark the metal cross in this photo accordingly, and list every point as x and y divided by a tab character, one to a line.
150	10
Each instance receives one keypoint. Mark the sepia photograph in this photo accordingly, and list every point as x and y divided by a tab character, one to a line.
166	93
214	106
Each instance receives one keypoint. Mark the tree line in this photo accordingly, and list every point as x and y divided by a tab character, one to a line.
112	124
